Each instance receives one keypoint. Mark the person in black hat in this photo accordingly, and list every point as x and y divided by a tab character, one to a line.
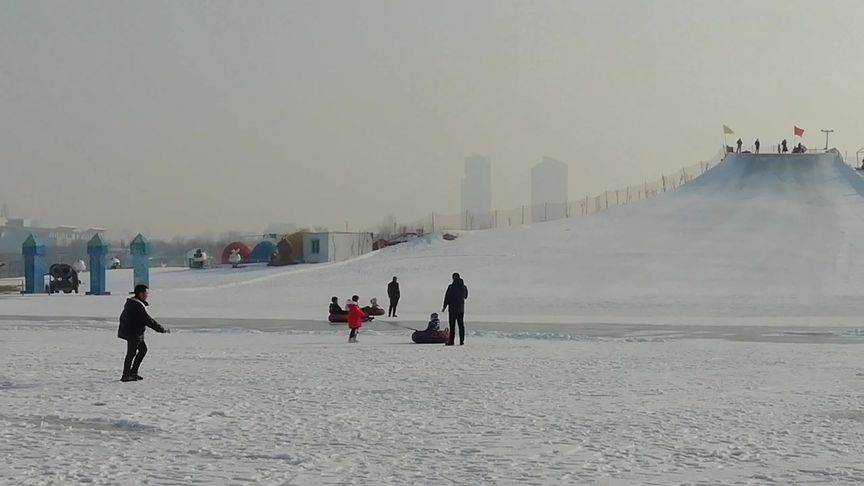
133	322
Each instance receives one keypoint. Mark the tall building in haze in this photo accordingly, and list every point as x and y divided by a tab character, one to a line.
549	190
477	192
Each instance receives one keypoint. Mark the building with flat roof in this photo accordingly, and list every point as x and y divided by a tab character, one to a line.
549	190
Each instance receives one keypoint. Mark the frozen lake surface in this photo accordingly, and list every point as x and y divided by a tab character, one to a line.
304	407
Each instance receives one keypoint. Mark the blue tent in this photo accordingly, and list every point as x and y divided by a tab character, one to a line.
262	252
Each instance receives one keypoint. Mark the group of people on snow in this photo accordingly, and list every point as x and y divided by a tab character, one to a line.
134	320
454	300
782	147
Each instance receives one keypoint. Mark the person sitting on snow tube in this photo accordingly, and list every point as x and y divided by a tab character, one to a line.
434	324
433	334
373	309
337	314
335	308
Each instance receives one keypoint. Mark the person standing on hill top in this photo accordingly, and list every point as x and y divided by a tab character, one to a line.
785	147
133	322
739	143
394	294
756	145
455	298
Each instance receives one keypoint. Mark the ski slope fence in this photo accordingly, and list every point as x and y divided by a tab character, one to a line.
551	211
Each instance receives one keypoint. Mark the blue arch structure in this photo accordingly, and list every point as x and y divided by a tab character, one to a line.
262	252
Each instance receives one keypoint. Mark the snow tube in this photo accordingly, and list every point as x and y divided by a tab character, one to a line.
373	311
343	318
430	337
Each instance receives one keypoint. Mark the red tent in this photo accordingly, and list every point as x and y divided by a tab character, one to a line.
243	248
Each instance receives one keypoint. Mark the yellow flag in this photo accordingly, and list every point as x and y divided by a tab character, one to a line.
727	130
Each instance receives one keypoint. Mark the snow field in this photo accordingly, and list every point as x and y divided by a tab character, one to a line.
307	408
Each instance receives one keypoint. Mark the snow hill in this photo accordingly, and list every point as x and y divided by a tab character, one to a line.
758	238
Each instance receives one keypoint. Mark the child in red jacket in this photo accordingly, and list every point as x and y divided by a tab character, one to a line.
356	316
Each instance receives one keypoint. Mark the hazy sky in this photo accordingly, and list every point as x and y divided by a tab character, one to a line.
178	117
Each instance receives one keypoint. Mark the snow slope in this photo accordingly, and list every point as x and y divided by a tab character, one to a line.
758	238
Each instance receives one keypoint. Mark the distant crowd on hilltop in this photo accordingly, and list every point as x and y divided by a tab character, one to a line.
782	148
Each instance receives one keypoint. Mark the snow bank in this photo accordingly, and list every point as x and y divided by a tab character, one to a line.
759	237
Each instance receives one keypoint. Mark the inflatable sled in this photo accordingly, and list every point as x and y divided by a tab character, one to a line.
343	318
374	311
430	337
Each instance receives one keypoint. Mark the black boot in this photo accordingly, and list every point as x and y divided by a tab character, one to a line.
128	378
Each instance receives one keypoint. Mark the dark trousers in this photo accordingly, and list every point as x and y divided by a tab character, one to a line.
353	334
457	318
393	303
136	349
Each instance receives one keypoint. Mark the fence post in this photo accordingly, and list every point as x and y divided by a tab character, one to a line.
566	209
606	193
496	218
523	214
663	177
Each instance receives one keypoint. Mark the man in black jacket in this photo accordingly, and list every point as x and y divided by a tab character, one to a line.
455	298
394	294
133	321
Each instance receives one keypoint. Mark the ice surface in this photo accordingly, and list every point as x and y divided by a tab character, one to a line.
306	408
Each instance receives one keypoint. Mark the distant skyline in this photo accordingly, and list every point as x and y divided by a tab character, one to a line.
175	118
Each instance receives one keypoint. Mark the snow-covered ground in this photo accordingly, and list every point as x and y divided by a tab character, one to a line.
709	336
305	408
758	239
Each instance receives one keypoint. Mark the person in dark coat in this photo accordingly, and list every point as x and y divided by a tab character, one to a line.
756	145
335	308
394	294
133	322
739	143
784	146
455	298
434	324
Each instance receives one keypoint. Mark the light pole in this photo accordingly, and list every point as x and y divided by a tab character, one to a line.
826	132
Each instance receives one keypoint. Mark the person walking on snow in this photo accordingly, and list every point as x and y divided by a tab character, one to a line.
739	143
455	298
133	322
756	145
784	146
355	318
394	294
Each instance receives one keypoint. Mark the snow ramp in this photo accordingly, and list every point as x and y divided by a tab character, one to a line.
759	239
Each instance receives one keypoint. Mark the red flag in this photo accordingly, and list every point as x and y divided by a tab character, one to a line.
799	132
